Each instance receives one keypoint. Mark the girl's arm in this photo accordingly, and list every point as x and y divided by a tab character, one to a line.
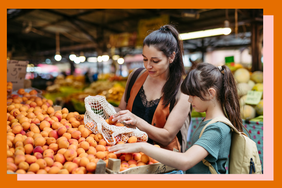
181	161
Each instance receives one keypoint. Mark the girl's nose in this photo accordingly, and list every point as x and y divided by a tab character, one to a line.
190	99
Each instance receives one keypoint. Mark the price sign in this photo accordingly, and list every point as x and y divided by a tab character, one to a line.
253	97
229	61
16	71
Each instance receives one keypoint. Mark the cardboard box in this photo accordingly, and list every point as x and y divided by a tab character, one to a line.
156	168
16	71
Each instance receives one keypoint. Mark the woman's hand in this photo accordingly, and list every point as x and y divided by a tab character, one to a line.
127	148
125	116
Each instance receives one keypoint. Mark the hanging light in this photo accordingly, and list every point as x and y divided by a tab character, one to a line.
100	59
120	61
105	58
205	33
115	57
76	60
58	56
72	56
92	59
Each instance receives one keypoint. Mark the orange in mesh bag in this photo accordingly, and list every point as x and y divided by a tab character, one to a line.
97	111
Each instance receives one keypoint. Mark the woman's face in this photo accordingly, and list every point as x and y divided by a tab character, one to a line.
155	62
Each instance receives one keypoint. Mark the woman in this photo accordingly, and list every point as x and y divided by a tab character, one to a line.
156	104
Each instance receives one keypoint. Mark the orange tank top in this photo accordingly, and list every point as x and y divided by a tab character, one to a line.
161	113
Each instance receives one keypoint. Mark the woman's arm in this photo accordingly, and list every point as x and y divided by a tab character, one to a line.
173	124
181	161
163	135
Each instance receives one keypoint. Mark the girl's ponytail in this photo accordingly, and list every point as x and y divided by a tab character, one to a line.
229	98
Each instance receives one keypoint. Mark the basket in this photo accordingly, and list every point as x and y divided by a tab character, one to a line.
97	110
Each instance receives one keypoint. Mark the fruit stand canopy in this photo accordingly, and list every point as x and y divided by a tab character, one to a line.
31	33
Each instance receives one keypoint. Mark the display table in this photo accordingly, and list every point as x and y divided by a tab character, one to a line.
255	131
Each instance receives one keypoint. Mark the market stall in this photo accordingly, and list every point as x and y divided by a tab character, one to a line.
50	124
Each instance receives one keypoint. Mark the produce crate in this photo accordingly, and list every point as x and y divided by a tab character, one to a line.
27	90
255	132
156	168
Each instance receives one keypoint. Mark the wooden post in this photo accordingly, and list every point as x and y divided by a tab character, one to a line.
114	165
101	167
256	46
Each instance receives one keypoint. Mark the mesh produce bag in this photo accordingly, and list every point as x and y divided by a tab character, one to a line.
97	110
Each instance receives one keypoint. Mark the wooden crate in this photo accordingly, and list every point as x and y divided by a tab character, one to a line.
156	168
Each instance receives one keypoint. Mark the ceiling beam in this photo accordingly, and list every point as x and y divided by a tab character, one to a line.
71	19
74	22
17	13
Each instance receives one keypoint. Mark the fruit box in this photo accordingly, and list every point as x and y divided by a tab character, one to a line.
156	168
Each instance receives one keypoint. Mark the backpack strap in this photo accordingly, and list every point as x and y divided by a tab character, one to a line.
131	81
221	119
227	122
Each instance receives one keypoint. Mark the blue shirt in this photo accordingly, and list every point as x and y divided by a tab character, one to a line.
216	139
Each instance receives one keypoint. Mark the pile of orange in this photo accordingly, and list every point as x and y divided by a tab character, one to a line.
41	140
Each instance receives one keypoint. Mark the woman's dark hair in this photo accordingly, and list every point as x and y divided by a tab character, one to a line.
166	39
205	76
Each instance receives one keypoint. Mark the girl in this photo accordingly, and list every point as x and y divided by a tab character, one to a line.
156	104
212	90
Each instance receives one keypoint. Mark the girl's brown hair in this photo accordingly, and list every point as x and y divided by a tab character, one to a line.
205	76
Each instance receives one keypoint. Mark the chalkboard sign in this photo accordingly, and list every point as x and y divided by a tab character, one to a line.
16	71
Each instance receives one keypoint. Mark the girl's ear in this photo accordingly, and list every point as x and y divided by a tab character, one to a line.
171	58
212	92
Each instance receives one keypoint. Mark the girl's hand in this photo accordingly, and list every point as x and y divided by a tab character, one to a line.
127	148
125	116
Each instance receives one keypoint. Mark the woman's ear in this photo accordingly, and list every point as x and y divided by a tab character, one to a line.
171	58
212	93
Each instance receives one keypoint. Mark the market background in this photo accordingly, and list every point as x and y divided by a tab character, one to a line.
99	37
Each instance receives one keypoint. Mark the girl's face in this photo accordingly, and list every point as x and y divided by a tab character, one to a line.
155	61
198	104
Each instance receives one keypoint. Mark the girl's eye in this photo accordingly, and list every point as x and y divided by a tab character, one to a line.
145	59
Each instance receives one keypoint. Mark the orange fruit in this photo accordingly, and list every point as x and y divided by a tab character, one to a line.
34	167
101	154
132	139
91	167
144	158
100	148
39	141
54	170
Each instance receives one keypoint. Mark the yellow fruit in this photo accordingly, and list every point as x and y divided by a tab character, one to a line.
259	108
243	89
257	77
258	87
242	75
248	112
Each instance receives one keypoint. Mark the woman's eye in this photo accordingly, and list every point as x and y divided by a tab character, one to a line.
145	59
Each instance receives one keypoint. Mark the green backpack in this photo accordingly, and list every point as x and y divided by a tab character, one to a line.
244	157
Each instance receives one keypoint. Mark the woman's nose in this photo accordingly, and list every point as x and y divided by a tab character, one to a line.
149	65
